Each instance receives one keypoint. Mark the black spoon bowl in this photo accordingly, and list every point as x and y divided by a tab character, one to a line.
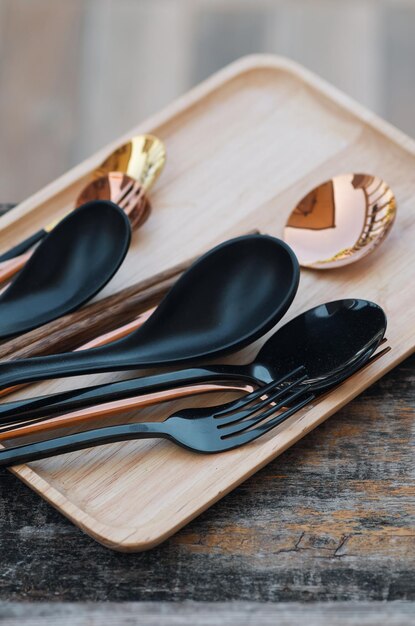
230	297
333	340
70	266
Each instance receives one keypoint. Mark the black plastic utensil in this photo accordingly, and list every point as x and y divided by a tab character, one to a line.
213	429
70	266
333	340
228	298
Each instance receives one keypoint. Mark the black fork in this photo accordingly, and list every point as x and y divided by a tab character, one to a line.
212	429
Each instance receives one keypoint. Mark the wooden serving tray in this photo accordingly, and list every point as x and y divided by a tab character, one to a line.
243	147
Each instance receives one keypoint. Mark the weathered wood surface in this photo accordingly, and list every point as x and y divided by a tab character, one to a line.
208	614
333	518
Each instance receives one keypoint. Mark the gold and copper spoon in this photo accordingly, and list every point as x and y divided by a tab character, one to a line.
137	165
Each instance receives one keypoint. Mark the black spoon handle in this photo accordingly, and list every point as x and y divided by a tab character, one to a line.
66	364
45	406
23	246
80	441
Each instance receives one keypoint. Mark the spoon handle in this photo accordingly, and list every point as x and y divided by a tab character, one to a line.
40	368
44	406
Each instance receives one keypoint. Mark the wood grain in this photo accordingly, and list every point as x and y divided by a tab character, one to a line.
278	131
332	519
208	614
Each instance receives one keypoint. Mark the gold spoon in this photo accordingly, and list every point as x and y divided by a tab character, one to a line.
142	158
341	221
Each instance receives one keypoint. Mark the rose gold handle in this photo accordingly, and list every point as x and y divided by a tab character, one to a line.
101	340
117	333
81	417
10	267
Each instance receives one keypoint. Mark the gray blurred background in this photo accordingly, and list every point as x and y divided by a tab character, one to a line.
75	74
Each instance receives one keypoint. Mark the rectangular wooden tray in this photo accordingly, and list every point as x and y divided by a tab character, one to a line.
243	147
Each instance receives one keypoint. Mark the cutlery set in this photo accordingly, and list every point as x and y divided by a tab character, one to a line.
223	301
331	341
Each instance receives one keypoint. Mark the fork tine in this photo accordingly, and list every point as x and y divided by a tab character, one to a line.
130	197
270	397
247	399
124	191
251	435
256	418
247	436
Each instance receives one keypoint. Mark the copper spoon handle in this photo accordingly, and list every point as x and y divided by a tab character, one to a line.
82	417
10	267
101	340
117	333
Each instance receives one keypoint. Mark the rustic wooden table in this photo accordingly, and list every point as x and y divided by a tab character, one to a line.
332	519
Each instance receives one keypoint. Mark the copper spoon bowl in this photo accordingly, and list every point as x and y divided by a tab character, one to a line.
341	221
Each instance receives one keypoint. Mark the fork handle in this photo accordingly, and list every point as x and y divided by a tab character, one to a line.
80	441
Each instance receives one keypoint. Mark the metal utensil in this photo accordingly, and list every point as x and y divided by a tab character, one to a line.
123	190
341	221
80	418
213	429
141	159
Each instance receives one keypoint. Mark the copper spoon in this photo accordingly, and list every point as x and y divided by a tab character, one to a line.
341	221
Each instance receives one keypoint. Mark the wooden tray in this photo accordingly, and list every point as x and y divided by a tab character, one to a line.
243	148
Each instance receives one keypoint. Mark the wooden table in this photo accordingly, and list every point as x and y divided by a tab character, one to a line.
332	519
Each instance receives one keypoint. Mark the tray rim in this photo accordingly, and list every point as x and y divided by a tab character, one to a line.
122	538
241	66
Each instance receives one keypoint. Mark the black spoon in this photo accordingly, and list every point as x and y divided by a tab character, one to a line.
231	296
70	266
332	341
